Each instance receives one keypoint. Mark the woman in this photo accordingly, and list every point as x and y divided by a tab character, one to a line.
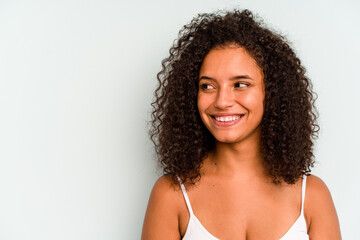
233	126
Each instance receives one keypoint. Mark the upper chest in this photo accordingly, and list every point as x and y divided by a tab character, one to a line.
242	211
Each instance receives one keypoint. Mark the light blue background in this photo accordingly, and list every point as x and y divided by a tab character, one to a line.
76	82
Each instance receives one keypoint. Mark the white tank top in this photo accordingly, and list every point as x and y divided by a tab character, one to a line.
196	231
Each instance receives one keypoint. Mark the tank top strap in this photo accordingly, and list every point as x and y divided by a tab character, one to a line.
303	193
185	196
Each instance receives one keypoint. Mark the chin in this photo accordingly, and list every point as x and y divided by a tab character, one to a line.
236	137
227	139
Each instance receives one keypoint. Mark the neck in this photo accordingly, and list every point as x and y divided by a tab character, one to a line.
242	159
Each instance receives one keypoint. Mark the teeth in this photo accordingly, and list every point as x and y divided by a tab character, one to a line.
227	118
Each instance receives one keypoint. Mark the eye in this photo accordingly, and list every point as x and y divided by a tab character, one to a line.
241	85
206	86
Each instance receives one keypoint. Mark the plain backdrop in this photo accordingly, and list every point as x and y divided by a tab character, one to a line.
76	83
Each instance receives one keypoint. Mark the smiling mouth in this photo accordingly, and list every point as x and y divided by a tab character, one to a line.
227	119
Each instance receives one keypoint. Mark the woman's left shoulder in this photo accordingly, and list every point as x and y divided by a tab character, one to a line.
316	187
319	210
317	196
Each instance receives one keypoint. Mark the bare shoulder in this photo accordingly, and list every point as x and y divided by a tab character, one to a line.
315	183
165	188
316	191
320	210
161	218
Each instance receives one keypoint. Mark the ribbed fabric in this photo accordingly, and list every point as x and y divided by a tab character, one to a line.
196	231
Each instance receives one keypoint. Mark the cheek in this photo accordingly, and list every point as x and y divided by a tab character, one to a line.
253	101
201	103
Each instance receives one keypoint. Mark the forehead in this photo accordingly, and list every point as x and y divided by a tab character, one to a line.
225	62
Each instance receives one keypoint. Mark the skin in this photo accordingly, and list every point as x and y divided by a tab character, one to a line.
235	199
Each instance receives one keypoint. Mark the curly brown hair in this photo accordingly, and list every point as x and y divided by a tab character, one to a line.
289	122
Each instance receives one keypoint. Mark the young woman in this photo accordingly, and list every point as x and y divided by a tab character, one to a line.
233	126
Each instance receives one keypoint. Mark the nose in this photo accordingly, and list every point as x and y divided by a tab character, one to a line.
224	98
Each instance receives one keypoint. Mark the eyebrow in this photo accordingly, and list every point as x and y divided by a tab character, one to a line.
233	78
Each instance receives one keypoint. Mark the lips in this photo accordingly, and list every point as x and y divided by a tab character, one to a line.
226	120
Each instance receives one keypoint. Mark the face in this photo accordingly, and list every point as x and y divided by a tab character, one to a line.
231	94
